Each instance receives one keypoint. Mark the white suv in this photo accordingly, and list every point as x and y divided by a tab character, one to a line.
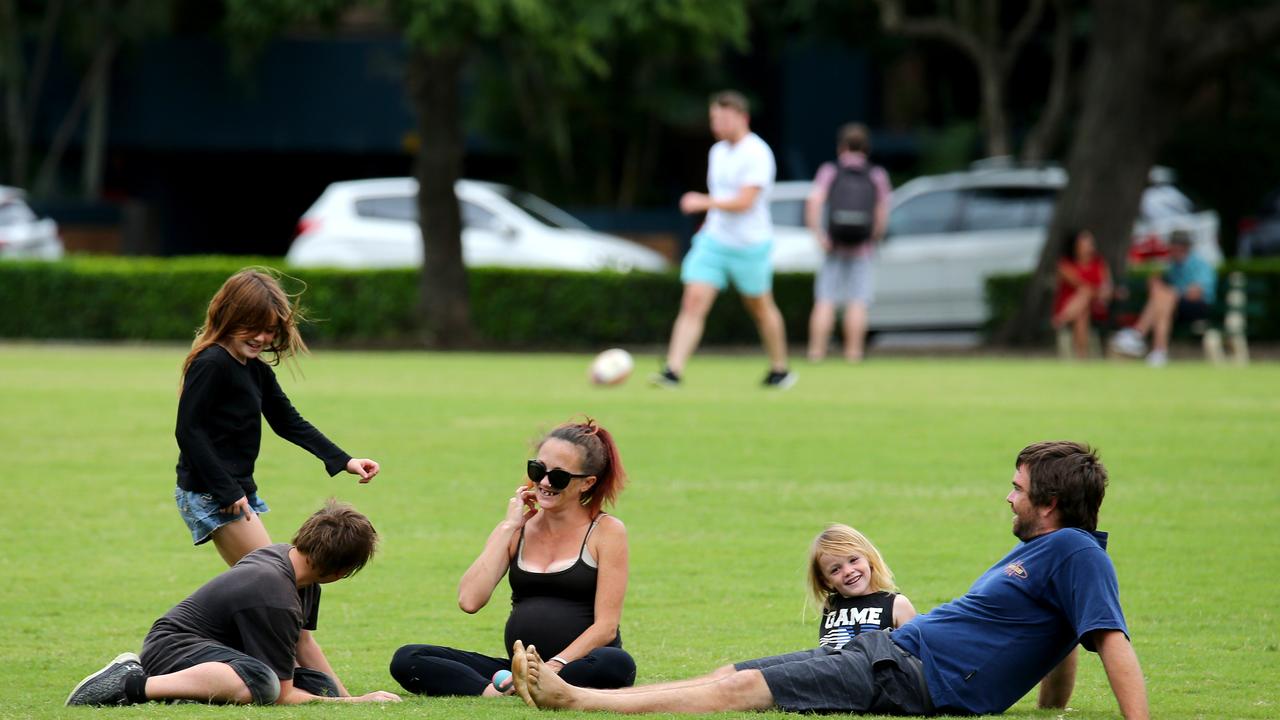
22	234
948	233
374	223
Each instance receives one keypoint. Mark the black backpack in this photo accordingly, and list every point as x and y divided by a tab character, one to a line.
851	206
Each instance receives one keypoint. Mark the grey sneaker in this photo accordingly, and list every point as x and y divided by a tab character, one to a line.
780	380
106	687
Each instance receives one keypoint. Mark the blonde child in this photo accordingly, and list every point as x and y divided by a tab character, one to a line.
227	389
853	587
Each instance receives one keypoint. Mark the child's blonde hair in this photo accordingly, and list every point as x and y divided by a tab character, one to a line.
842	541
249	302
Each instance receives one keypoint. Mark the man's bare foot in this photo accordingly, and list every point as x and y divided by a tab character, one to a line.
546	689
520	673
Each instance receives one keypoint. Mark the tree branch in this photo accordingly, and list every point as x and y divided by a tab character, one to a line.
894	20
1041	138
1022	33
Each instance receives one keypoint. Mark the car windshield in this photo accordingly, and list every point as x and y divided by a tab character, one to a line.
541	210
787	213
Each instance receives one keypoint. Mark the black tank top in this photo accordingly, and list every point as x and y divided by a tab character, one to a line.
551	609
849	616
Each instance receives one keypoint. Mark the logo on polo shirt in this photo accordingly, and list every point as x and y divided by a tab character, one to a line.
1015	569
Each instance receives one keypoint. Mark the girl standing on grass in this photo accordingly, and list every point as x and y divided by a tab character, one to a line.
853	587
227	388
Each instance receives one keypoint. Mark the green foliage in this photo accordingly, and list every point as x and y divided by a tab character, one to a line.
1005	295
165	299
728	485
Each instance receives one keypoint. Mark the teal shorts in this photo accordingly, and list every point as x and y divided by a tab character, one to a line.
714	263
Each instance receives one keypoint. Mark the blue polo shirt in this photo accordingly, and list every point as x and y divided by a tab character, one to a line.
984	651
1193	271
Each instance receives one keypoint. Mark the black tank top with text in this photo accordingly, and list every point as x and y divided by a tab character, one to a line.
551	609
849	616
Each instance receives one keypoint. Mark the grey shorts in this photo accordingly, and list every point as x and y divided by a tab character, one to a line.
845	278
263	684
870	674
173	653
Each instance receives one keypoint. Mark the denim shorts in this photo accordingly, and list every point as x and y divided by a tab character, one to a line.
203	515
714	263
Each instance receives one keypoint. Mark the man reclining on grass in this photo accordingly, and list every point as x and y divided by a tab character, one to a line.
1018	625
245	636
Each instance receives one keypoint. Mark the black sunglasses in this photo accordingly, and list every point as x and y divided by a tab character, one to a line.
558	478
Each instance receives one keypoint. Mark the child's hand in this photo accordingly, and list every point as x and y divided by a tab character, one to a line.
239	507
367	469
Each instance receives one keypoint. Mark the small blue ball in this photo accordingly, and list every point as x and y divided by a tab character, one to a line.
500	679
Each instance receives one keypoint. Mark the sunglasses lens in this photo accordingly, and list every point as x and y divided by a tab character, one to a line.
559	479
536	471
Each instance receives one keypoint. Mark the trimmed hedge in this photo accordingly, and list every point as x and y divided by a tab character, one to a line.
1005	293
115	298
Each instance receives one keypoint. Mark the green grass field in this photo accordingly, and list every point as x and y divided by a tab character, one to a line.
728	485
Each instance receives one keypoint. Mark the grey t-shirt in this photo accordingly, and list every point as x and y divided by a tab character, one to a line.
255	608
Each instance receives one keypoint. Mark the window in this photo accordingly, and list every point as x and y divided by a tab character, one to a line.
390	207
787	213
474	216
933	212
1007	208
539	209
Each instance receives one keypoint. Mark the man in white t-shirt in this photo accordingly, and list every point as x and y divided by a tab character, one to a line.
733	244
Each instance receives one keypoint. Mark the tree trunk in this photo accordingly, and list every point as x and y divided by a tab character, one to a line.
995	121
1129	112
433	80
12	75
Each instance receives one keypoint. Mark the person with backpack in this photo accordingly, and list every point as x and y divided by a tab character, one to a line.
847	211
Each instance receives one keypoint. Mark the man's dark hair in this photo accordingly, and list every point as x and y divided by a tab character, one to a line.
854	137
731	99
1069	472
337	539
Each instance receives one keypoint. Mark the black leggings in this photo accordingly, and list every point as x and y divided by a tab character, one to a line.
436	670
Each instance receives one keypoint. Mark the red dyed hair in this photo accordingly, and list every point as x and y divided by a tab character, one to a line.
599	457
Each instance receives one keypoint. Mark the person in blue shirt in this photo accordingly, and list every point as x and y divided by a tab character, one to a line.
1018	625
1183	293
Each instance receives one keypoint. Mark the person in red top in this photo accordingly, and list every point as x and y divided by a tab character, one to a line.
1084	290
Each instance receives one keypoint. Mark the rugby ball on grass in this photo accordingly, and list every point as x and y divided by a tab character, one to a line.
612	367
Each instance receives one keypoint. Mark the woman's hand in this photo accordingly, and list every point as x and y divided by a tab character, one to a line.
364	467
522	506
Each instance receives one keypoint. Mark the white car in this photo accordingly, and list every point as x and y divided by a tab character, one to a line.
374	224
22	234
948	233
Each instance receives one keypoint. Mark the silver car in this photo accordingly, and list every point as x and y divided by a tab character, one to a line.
22	233
948	233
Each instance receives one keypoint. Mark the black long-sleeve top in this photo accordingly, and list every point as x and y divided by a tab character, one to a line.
220	425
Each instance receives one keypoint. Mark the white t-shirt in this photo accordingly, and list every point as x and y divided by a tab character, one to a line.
731	167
